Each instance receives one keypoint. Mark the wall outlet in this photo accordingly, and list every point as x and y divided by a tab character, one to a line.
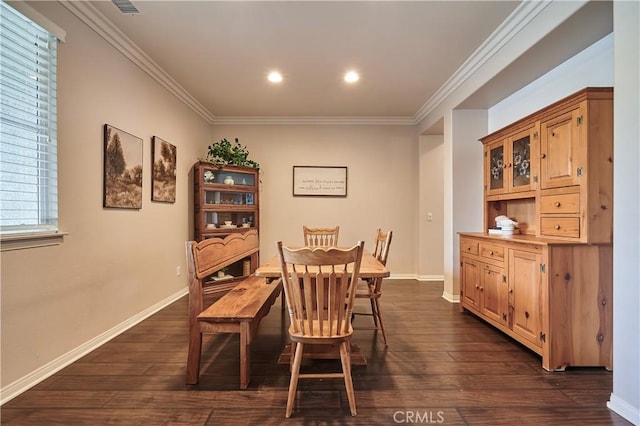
178	271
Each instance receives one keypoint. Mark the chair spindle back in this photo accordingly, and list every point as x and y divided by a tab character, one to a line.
317	283
320	237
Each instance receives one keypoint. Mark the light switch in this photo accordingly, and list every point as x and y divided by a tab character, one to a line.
429	216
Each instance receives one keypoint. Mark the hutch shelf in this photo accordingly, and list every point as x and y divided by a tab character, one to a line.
226	201
549	287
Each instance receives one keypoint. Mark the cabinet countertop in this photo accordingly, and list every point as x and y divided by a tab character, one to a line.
521	239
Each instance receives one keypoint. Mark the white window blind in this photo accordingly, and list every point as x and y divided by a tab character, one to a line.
28	144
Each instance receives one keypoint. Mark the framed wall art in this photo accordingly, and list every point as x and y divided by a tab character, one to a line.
319	181
163	173
122	169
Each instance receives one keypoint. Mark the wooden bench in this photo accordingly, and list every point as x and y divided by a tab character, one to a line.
238	311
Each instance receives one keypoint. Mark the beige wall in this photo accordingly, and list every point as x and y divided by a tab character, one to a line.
114	263
431	201
382	189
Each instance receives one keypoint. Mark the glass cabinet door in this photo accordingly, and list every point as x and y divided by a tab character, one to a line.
521	162
228	219
508	166
224	198
495	168
226	177
521	171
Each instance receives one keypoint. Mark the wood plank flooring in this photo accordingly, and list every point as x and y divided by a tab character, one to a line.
441	367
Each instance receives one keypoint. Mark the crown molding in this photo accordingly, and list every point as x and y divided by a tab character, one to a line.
95	20
509	28
267	120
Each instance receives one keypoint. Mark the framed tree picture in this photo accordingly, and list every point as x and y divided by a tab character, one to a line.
122	169
163	173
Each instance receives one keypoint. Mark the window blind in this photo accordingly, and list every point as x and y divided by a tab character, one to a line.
28	144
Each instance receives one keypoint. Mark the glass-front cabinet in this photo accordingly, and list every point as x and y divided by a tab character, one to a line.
226	200
495	168
508	164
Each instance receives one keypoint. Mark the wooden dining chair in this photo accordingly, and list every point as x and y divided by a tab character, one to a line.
319	292
320	237
372	288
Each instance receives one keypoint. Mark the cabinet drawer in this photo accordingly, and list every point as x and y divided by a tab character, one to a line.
468	246
491	251
561	203
560	226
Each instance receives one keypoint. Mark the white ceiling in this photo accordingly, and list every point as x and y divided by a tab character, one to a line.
221	51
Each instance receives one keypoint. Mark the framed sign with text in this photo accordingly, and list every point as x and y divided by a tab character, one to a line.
328	181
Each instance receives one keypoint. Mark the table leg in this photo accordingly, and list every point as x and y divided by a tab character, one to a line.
245	353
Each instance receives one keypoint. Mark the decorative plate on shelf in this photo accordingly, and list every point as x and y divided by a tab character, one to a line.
228	226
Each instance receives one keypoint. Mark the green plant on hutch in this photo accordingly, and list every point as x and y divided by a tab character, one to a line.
223	153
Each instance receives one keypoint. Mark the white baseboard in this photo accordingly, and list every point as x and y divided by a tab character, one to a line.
402	277
451	298
625	409
430	277
14	389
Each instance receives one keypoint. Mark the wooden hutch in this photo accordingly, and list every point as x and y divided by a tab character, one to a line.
226	201
549	287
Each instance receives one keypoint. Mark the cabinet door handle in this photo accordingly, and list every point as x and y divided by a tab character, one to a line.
510	291
557	204
526	314
557	227
504	316
491	253
543	156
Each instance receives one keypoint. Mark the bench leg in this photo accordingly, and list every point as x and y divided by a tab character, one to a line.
245	353
193	356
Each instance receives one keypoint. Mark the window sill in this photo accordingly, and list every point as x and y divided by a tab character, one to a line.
25	241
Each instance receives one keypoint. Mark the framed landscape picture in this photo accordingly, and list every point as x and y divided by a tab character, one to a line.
163	174
122	169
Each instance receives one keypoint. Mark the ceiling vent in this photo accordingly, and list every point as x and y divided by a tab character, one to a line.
126	7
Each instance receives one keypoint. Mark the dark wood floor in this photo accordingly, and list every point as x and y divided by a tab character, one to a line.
441	367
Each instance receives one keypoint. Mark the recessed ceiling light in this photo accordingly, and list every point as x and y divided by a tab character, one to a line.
351	77
275	77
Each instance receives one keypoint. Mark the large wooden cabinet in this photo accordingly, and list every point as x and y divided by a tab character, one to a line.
550	287
226	201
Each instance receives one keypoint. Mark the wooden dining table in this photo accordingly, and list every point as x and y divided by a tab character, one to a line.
370	267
